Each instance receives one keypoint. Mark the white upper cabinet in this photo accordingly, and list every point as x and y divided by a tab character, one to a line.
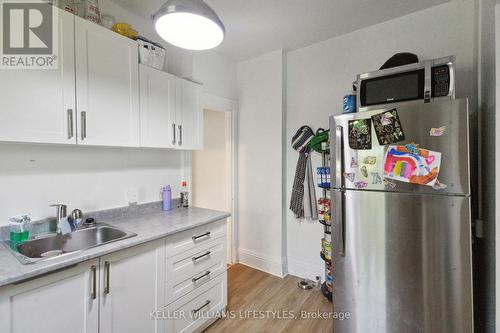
188	115
95	96
171	115
39	105
107	86
157	95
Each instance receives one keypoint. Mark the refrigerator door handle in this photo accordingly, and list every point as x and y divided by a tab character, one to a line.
340	221
338	158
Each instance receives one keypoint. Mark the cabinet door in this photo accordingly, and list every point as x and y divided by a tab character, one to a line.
189	116
132	287
157	105
39	105
56	303
107	85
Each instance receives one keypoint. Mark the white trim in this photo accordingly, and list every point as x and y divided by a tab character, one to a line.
305	270
217	103
497	165
262	262
221	104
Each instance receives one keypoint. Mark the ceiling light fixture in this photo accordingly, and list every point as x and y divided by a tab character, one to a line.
189	24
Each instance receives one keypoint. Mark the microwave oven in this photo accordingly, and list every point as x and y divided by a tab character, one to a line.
426	81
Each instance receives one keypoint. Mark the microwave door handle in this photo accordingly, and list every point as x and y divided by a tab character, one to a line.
427	82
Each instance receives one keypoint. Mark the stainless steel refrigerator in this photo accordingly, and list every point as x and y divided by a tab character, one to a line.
401	237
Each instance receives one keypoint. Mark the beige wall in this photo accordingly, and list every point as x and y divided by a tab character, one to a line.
210	172
261	226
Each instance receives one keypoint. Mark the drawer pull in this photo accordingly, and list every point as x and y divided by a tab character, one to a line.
201	256
207	273
206	234
207	302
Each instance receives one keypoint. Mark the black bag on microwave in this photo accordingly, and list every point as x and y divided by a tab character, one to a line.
400	59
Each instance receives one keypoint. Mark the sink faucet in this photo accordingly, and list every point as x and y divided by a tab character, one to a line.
61	212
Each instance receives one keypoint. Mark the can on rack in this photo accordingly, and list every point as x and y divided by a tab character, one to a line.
349	105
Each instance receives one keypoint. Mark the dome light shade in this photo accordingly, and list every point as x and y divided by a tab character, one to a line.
189	24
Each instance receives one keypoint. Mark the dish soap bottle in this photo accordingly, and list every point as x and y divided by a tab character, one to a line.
19	232
184	195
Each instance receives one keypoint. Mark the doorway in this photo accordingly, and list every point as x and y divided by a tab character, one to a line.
212	169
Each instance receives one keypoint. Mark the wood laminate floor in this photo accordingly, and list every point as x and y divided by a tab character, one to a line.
252	290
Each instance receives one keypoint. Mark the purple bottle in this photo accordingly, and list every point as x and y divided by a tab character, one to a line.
166	195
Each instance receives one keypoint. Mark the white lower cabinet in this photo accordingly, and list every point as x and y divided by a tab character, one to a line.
124	291
199	308
60	302
131	288
187	271
196	277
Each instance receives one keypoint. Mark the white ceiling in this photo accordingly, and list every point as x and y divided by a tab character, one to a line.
255	27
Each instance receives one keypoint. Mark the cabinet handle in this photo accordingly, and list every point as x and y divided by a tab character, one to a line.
207	302
70	123
206	234
93	287
173	129
84	125
200	277
180	135
201	256
106	277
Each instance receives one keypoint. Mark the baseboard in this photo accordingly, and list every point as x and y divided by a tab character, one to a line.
305	270
262	262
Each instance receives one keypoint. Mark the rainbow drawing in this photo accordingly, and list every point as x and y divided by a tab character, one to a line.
412	164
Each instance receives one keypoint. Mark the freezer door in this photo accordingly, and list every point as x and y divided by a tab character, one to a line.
363	168
401	263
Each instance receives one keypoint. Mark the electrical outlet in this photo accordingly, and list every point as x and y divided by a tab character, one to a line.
132	196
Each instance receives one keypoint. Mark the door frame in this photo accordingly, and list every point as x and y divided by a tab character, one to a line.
230	108
497	168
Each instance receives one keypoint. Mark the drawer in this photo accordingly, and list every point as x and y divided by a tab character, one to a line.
189	239
190	270
197	308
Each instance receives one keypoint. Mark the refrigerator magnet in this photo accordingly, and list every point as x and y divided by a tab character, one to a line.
438	186
360	184
437	131
349	176
360	134
376	179
388	127
371	160
354	163
412	165
364	171
390	184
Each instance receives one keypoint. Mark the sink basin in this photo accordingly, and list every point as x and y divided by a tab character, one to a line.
55	245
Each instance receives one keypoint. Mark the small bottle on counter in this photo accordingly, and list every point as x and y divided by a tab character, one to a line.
166	195
184	195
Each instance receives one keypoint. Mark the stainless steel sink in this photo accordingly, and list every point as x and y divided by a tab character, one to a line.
55	245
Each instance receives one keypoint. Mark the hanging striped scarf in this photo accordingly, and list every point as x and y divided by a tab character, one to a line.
300	142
